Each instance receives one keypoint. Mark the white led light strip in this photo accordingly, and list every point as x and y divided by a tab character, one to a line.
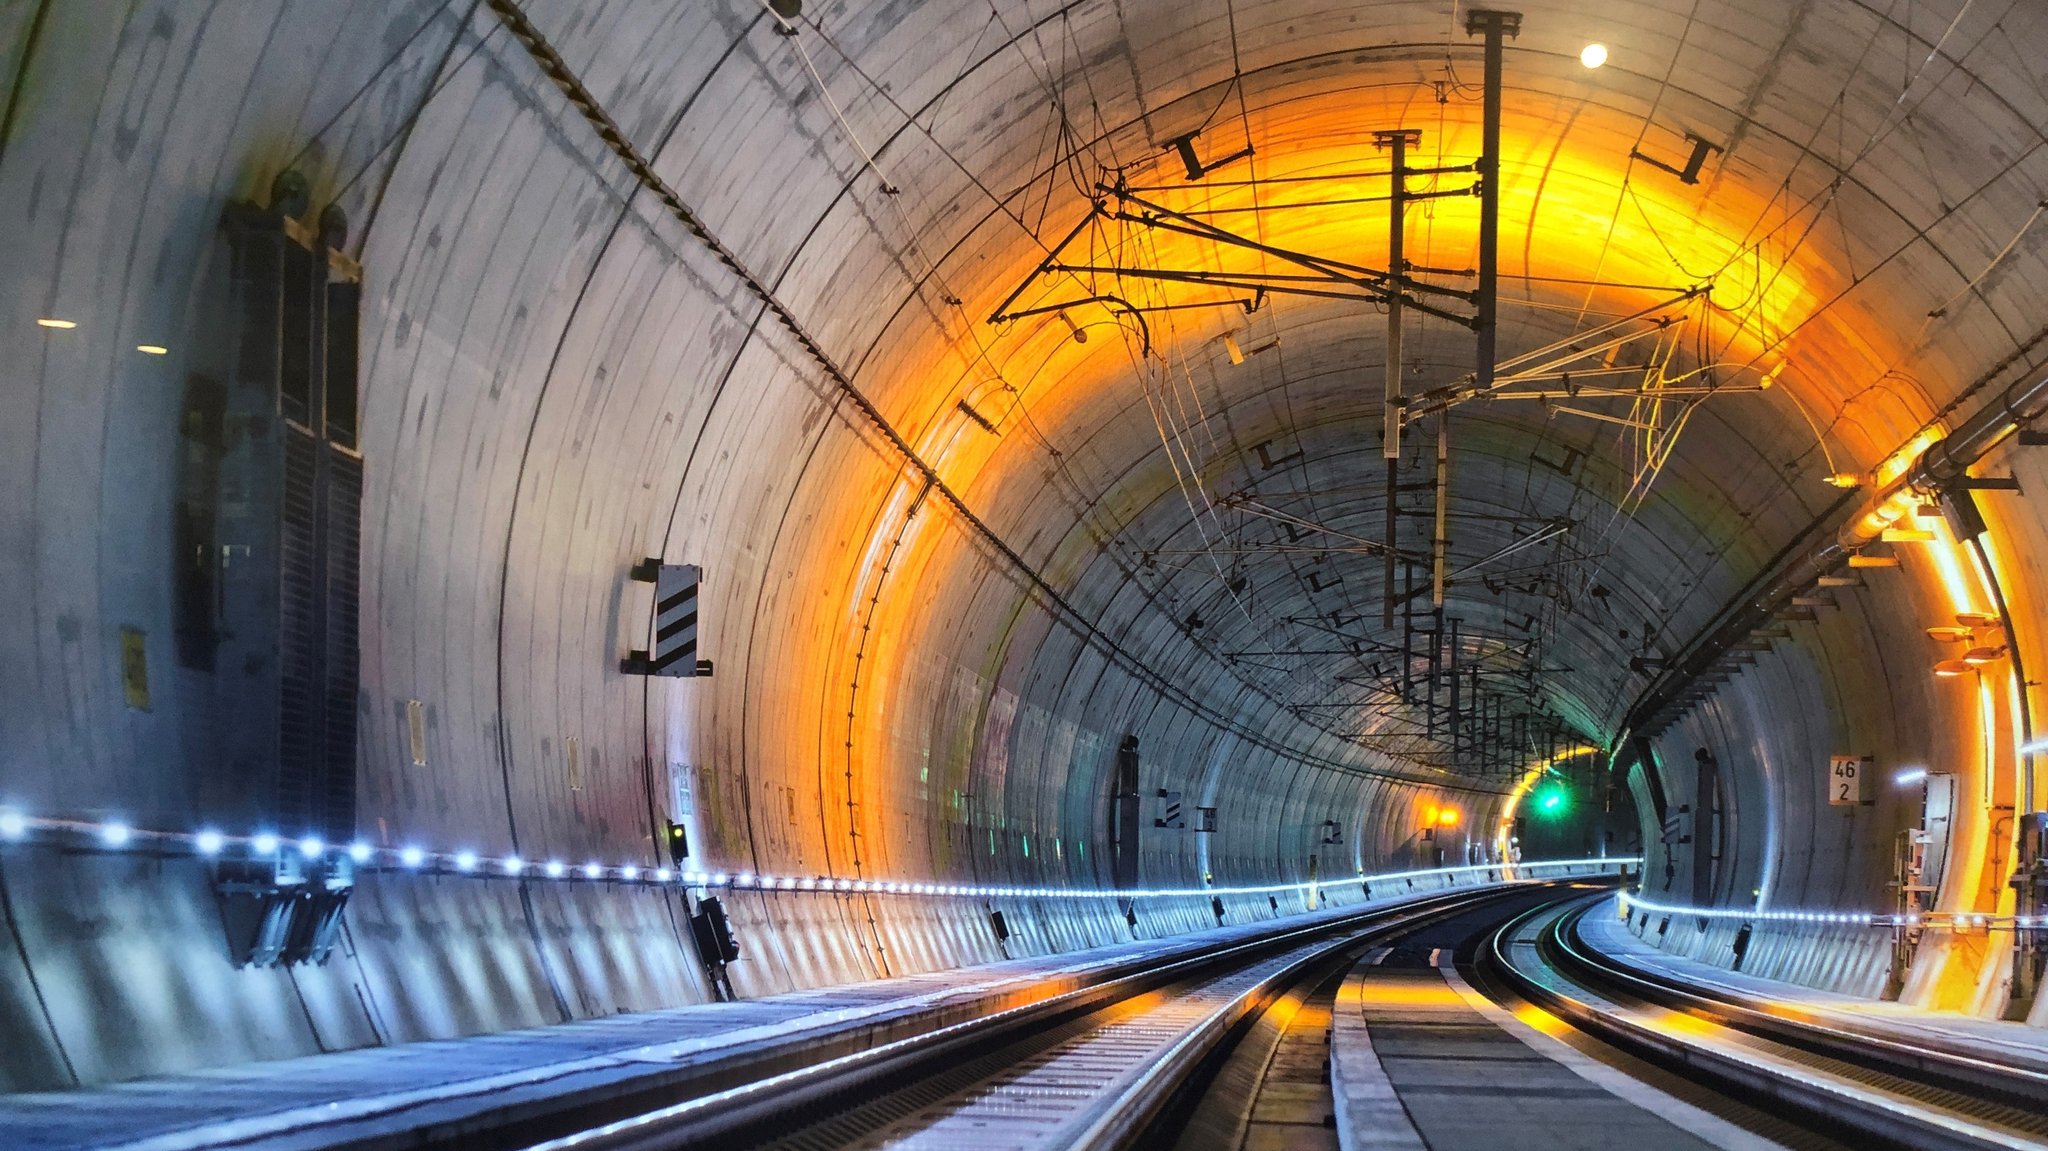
1955	920
266	845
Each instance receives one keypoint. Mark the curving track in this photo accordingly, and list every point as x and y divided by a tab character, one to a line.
1232	1049
1126	1062
1867	1084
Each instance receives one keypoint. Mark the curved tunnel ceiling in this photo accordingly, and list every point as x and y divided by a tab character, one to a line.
951	563
562	373
1835	212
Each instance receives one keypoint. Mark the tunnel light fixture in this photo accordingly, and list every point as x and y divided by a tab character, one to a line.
1979	656
1949	634
1841	581
1907	536
59	325
1232	349
1951	668
1593	55
153	349
1910	776
1844	480
1863	561
1975	619
207	842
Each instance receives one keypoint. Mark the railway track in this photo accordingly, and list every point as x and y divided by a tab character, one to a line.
1860	1084
1177	1052
1230	1050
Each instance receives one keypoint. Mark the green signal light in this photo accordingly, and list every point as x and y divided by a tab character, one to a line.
1552	800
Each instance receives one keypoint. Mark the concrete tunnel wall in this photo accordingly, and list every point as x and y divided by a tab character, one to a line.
559	379
1857	682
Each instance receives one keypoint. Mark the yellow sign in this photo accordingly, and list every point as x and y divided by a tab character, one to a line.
134	669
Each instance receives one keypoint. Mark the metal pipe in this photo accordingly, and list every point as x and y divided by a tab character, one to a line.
1495	26
1457	723
1440	545
1408	636
1393	525
1396	142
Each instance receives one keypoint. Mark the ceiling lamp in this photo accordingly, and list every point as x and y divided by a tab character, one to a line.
1863	561
1948	634
1950	668
60	325
1593	55
1978	619
1908	536
1979	656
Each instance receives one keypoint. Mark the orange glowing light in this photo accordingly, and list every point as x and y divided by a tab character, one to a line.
1448	817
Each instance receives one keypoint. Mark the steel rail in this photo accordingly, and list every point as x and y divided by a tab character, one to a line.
734	1113
1790	1076
1840	1039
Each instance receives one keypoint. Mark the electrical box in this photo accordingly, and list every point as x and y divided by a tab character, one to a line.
713	932
269	533
288	520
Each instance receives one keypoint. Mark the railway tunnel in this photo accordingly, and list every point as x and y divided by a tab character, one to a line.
526	515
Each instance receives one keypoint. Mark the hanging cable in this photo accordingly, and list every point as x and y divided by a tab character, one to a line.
557	71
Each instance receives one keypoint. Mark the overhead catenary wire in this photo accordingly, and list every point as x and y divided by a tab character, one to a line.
558	72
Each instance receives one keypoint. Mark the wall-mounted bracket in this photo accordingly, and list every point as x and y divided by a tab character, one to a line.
284	910
1185	145
1690	172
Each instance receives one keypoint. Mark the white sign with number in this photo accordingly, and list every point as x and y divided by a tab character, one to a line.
1851	780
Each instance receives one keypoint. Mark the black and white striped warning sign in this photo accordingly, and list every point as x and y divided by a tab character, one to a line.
675	622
